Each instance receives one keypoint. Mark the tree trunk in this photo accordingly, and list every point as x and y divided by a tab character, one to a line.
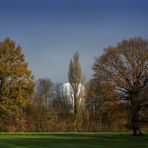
135	122
75	104
75	112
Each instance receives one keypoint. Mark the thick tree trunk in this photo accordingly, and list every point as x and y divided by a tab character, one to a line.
135	122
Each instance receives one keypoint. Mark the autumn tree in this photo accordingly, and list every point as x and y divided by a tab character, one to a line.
75	77
42	101
62	98
16	83
44	90
63	106
99	93
126	68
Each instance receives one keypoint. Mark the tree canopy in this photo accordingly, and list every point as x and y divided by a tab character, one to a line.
16	81
126	68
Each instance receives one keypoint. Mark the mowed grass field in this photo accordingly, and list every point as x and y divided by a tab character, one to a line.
72	140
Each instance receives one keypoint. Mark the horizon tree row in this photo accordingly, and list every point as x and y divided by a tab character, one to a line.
114	99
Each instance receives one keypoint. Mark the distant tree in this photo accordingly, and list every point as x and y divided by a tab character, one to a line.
75	77
42	102
126	68
16	83
62	98
63	106
98	94
44	90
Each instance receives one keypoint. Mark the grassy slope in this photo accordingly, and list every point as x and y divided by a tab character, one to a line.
72	140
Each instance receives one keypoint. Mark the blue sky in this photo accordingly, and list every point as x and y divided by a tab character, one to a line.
51	31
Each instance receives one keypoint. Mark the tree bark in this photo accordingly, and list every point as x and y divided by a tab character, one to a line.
75	112
135	122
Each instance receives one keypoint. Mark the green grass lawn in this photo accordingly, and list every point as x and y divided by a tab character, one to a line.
72	140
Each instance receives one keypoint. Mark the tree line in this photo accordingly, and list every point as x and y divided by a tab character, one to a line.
115	99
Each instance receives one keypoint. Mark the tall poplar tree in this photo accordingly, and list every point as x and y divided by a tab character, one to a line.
75	77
